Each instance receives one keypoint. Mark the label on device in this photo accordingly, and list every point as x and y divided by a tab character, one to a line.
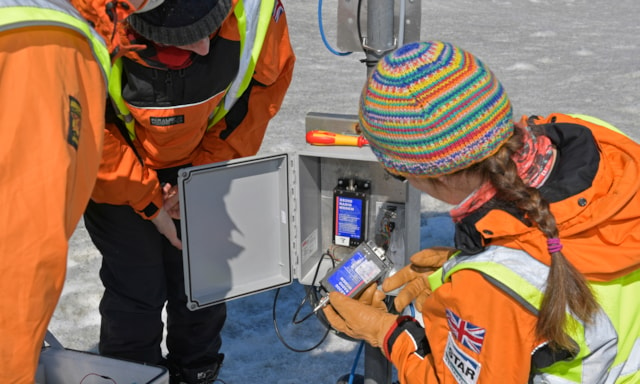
365	265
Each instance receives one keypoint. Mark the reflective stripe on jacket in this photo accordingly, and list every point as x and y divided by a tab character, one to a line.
19	14
609	347
253	18
170	112
594	195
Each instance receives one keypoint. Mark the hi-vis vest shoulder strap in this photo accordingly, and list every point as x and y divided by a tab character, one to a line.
26	13
609	348
582	120
595	120
254	17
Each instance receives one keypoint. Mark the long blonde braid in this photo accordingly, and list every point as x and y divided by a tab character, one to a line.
566	286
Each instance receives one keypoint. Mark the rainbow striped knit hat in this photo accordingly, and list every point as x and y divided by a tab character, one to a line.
431	109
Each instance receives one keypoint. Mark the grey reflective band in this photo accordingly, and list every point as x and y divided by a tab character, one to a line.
523	277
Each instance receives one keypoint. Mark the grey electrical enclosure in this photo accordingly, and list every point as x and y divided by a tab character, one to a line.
254	224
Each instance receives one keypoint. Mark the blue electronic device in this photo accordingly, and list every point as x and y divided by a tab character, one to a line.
354	274
351	203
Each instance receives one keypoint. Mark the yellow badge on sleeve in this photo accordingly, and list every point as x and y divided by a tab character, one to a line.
75	117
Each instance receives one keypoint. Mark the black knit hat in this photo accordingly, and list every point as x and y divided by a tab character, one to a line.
181	22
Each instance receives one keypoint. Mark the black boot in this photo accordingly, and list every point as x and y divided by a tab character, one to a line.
204	374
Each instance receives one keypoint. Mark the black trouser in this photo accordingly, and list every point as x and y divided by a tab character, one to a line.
141	271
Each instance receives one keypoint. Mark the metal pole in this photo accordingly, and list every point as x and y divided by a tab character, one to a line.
380	39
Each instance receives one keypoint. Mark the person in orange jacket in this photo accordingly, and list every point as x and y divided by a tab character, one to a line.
53	69
197	82
543	284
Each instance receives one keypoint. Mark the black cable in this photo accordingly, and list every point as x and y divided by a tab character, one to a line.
308	315
358	10
275	325
309	292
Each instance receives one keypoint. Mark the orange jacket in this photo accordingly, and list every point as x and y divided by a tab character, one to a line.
179	136
594	197
107	18
53	100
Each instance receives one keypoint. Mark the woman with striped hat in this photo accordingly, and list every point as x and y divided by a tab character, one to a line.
543	282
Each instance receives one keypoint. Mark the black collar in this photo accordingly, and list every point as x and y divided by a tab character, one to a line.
575	169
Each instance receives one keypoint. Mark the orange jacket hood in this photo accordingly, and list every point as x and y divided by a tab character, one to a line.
599	225
108	18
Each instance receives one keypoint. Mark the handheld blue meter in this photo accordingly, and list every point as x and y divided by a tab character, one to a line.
354	274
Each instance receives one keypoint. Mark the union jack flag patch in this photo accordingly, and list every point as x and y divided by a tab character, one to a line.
469	335
278	10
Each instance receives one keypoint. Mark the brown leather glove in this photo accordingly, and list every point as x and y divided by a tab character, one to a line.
359	320
415	276
374	297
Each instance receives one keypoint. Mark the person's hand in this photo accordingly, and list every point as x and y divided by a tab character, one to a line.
415	277
373	297
358	320
165	226
171	200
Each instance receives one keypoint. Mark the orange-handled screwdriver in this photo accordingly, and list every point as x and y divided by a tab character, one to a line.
318	137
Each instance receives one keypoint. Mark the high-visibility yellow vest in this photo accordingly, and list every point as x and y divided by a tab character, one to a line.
254	17
609	348
26	13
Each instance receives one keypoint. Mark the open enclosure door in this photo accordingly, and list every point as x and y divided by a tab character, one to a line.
235	232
